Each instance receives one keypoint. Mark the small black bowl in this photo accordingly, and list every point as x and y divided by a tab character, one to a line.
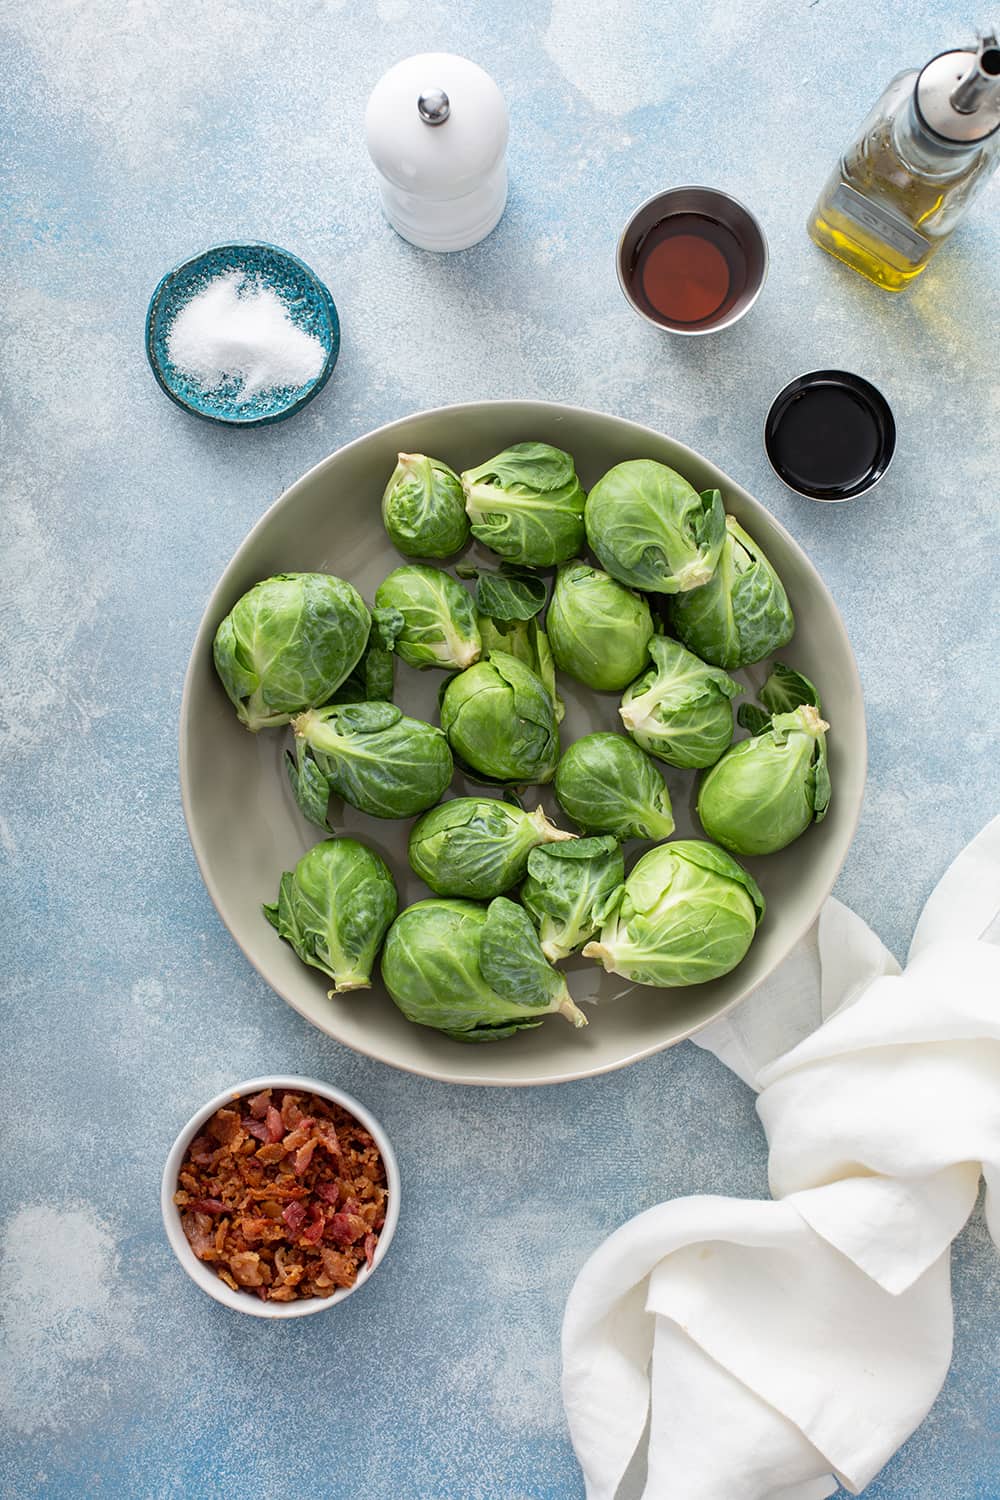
830	435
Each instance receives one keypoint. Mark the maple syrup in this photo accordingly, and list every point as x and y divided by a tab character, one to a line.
687	271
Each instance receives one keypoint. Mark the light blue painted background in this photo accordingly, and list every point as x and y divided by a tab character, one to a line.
142	131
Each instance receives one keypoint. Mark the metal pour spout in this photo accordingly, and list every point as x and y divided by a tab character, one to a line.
982	82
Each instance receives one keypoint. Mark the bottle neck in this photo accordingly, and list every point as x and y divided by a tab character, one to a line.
925	153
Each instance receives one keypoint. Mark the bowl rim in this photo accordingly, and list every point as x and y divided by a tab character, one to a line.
203	639
201	1274
296	405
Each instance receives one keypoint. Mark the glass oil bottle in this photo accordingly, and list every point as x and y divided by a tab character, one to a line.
922	155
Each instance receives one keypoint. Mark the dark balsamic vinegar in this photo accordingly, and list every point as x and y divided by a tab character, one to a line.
828	439
688	271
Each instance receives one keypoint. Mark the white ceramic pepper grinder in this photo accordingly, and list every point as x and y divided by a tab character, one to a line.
437	127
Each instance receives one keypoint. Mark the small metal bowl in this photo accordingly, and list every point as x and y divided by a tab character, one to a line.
203	1274
309	305
836	483
712	204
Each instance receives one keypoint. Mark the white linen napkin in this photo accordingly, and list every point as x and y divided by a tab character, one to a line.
734	1349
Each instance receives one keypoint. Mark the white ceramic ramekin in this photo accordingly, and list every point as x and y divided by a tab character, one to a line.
203	1273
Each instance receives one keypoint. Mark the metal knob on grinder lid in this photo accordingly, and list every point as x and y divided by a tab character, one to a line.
958	94
434	107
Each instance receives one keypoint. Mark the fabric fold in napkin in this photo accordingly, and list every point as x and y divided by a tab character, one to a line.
755	1350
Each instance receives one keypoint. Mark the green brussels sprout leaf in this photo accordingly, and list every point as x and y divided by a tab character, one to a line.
423	508
786	689
749	716
526	504
238	678
822	789
334	909
571	889
373	679
679	710
280	913
528	642
513	964
310	784
509	593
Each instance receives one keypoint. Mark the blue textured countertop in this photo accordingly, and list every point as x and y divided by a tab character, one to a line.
142	131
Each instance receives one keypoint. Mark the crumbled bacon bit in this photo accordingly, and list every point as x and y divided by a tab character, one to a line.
303	1157
259	1214
328	1139
294	1216
344	1229
224	1126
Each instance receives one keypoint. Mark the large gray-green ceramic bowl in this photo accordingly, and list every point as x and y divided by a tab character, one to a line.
246	829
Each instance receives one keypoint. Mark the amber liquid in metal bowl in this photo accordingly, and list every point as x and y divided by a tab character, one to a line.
687	271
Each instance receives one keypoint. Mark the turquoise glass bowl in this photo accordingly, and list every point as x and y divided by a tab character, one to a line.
309	306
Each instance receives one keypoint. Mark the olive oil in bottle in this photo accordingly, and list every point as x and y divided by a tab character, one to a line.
922	155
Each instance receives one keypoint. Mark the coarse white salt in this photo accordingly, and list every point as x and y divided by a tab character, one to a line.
235	329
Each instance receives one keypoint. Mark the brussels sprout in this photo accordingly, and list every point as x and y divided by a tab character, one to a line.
476	973
527	504
606	785
380	762
335	909
374	678
288	644
570	890
679	710
598	629
527	641
476	846
651	530
687	913
765	791
742	614
423	508
439	621
500	721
